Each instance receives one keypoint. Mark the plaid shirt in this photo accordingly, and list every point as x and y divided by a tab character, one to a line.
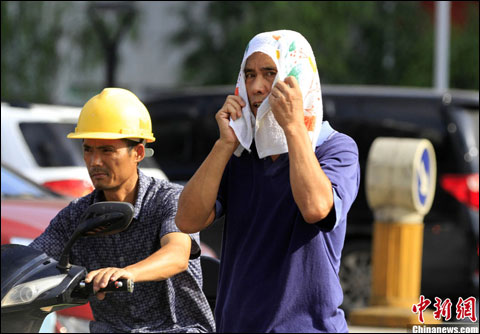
173	305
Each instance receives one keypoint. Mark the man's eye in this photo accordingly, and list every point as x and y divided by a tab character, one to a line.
272	74
86	149
249	75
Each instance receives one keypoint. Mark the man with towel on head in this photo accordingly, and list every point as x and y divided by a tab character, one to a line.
285	181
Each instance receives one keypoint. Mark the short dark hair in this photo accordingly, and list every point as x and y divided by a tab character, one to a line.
131	143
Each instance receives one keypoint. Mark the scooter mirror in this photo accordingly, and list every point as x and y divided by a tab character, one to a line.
102	218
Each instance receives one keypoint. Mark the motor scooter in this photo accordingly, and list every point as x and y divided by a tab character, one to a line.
34	284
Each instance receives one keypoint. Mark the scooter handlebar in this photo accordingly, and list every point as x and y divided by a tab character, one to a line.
115	286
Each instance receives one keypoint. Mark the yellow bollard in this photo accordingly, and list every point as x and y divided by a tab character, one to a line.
400	186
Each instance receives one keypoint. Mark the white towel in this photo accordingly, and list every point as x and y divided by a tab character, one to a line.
293	56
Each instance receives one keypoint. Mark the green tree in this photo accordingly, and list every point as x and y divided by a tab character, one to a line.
29	61
464	57
32	32
365	42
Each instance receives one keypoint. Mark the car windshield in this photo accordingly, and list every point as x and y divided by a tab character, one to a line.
15	186
50	146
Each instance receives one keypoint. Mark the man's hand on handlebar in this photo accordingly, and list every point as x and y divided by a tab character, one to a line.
101	277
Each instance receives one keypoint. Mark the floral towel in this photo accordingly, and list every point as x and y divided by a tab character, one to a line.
293	56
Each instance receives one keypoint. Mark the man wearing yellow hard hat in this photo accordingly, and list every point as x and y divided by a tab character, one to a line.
115	126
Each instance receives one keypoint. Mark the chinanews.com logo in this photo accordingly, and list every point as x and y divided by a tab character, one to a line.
445	328
465	309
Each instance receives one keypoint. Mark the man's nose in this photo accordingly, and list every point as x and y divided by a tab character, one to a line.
95	159
261	85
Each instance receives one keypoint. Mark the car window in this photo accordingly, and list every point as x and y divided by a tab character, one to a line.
50	146
15	186
185	130
173	124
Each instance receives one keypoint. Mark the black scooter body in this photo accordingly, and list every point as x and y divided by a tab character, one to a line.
22	264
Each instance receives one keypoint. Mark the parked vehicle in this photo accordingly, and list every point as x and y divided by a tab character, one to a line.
34	141
184	121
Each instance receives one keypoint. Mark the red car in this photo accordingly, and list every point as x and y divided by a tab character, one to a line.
27	209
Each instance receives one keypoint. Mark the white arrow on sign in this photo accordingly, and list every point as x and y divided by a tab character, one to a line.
422	172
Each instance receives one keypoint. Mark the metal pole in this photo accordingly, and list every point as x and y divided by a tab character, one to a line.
442	45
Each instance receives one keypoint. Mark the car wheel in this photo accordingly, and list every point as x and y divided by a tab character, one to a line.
355	275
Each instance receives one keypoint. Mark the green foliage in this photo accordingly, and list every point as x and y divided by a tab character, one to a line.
32	34
364	42
464	56
29	58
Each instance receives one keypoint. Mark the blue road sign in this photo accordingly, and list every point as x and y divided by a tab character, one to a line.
424	177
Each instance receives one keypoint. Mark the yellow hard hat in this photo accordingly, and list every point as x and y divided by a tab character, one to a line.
115	113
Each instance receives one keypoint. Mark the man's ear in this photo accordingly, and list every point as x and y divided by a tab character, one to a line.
139	152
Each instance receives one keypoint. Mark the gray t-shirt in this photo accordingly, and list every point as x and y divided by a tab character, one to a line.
173	305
